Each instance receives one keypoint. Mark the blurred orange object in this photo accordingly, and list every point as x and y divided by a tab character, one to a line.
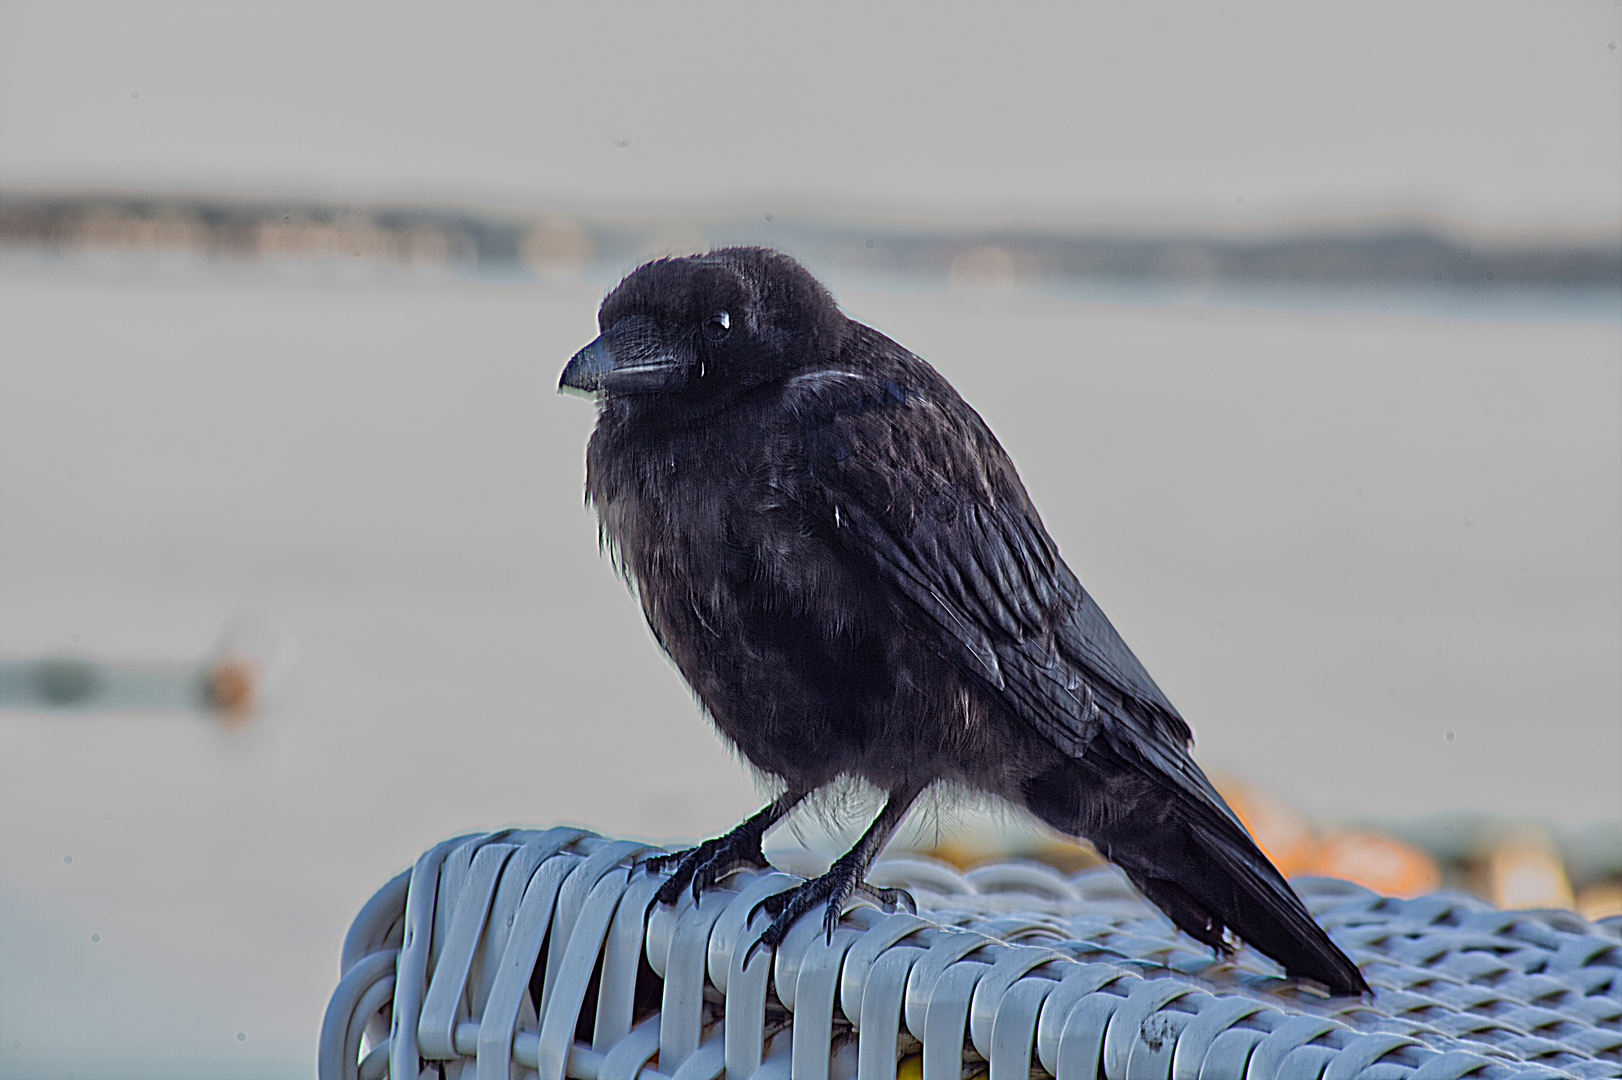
1600	901
231	688
1525	871
1382	863
1282	832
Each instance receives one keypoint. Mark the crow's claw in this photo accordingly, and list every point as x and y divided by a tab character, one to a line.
700	867
889	899
774	904
831	890
758	943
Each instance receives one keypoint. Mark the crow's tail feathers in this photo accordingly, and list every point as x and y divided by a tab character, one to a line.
1191	859
1223	880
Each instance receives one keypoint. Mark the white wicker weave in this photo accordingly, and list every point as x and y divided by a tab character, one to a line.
1010	969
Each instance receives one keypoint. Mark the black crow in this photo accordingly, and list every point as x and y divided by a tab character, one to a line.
843	564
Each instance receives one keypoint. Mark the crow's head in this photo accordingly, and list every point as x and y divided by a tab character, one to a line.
703	329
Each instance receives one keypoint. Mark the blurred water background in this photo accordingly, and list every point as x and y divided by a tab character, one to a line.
1302	323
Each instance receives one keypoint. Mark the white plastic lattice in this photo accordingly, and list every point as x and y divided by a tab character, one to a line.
542	954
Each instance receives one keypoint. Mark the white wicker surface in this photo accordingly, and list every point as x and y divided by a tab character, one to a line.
1010	969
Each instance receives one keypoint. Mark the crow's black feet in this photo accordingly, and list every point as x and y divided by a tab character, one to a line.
703	866
830	891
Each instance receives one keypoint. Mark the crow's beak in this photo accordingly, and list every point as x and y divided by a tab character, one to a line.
595	370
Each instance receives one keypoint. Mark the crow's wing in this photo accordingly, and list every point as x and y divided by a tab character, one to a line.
914	484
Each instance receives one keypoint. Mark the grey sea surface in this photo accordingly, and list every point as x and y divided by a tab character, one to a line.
1372	555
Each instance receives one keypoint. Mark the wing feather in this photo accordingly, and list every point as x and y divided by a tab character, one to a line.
926	495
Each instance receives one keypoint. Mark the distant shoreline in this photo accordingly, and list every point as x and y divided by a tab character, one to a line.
466	238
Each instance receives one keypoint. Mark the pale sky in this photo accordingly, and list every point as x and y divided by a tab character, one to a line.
1495	113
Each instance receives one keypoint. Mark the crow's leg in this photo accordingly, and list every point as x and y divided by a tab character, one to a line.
707	863
842	880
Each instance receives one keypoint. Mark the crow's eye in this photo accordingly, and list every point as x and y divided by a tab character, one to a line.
719	324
